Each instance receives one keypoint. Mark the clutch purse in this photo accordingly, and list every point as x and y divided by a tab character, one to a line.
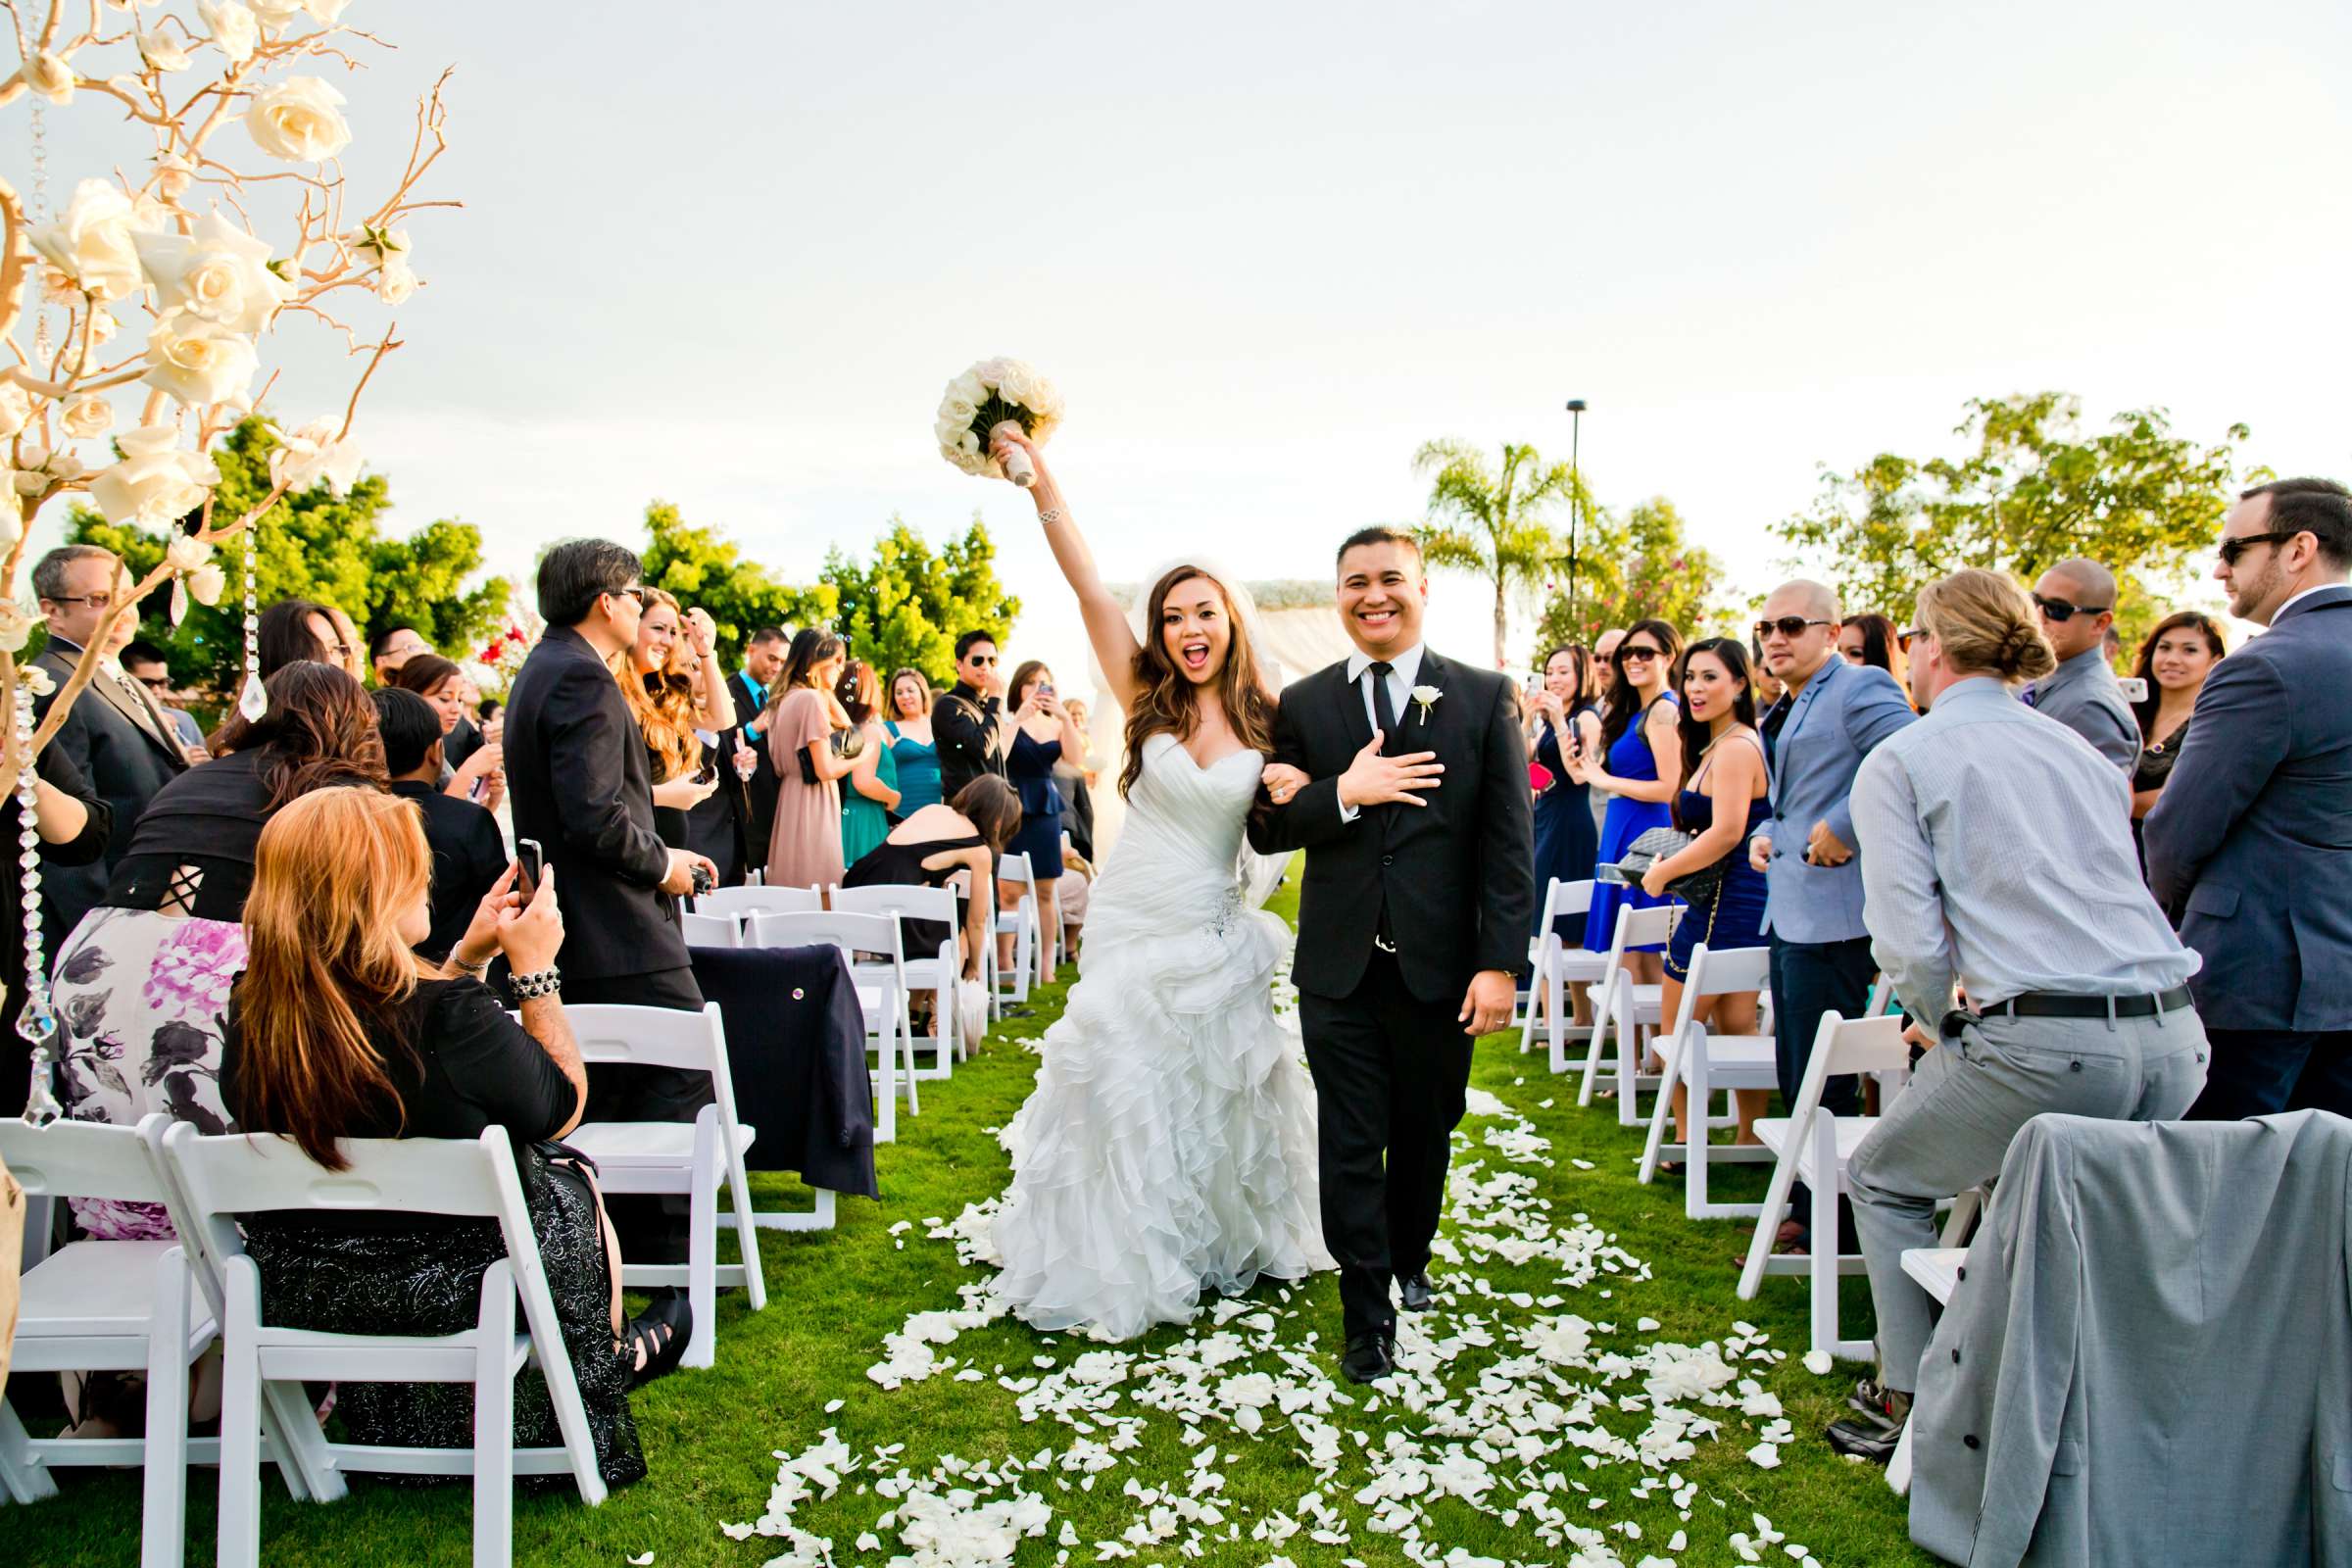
1539	778
1659	844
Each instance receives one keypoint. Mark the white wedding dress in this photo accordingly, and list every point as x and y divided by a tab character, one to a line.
1170	1141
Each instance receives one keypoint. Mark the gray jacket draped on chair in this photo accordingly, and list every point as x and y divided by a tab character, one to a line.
2149	1355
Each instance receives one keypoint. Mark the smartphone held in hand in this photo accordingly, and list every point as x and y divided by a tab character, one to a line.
528	863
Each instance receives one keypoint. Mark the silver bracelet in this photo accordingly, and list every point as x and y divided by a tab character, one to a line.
1050	517
546	983
462	967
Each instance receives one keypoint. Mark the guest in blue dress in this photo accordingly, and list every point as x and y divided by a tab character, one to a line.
1727	800
1567	838
1642	767
911	743
1041	732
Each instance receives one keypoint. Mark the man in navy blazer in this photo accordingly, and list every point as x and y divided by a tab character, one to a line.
1815	737
2250	845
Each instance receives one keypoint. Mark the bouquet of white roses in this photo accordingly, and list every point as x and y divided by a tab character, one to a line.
992	394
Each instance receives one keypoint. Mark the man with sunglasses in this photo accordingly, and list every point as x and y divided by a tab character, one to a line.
2076	601
2250	846
965	722
1830	717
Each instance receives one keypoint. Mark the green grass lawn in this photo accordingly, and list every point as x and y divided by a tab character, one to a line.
711	1437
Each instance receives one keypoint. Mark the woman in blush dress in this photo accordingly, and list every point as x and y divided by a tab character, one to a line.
803	716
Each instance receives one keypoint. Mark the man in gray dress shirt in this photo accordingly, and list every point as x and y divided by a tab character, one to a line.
2076	600
1997	862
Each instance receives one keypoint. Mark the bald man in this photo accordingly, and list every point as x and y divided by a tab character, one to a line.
2076	600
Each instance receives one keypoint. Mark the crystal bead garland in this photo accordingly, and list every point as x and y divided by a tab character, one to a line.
253	701
38	1022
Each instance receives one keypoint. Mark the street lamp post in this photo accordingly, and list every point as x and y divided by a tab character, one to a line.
1576	500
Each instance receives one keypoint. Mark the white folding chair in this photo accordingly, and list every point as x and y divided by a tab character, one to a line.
1627	1009
936	972
1020	923
219	1178
1553	965
676	1157
1937	1271
1814	1147
870	942
1709	1063
115	1306
741	902
712	930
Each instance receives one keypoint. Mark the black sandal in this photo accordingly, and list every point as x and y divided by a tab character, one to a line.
652	1354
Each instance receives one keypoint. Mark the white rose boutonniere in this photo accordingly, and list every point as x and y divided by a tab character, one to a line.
1426	697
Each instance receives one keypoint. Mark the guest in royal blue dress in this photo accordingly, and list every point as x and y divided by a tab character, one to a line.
911	743
1727	800
1042	731
1567	838
1642	769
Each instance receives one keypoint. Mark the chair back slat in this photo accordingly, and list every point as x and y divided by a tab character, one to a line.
851	932
1564	898
1723	971
80	1159
710	930
649	1037
907	902
741	901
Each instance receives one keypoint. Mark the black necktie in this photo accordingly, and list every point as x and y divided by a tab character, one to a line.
1384	712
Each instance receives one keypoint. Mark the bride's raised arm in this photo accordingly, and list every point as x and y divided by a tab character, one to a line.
1105	621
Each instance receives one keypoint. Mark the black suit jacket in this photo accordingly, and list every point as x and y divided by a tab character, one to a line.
758	797
578	782
963	726
2251	843
126	763
469	856
1457	876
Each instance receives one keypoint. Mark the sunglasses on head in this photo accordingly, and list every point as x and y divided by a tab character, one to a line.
2233	548
1786	626
2060	610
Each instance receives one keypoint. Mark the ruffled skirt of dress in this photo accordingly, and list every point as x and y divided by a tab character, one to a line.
1169	1144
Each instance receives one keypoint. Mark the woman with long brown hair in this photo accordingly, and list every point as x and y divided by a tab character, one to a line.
675	688
337	1029
481	775
803	720
1170	1143
2174	658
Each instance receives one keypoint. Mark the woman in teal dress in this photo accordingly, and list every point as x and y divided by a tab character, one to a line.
911	749
871	802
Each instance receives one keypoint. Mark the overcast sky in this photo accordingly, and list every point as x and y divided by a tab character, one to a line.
727	255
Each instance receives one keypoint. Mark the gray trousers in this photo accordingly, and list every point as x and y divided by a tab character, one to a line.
1949	1128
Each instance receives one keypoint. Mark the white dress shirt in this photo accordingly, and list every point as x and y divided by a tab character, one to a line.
1404	669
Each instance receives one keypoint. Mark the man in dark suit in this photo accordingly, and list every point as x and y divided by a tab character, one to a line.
114	733
469	854
965	722
1420	889
579	784
2250	845
750	687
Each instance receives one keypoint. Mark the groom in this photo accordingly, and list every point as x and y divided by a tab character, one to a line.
1420	891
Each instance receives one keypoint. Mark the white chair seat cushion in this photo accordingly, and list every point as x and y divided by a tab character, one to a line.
1739	1062
645	1143
1935	1268
1772	1133
87	1288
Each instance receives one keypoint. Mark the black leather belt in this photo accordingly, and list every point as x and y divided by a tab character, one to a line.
2063	1004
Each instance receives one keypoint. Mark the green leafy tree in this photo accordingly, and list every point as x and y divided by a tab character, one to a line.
1636	567
314	545
705	570
907	609
1491	520
2035	491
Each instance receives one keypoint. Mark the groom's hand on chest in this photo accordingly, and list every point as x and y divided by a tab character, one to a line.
1375	779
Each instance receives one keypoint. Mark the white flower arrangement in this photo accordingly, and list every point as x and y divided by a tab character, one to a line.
993	393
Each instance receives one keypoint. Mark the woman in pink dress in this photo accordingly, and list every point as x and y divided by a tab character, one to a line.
802	719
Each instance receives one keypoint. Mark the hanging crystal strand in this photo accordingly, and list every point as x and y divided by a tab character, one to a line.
36	211
253	701
38	1022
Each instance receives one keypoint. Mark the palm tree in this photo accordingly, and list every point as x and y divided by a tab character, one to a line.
1493	524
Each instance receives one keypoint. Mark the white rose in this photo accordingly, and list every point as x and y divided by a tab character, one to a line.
205	584
325	11
90	417
172	175
28	482
970	388
93	242
232	28
12	518
186	552
15	625
103	325
163	51
298	120
395	282
38	680
306	457
50	77
199	362
155	484
217	272
274	14
65	466
16	410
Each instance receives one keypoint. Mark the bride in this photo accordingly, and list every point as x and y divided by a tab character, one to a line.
1170	1141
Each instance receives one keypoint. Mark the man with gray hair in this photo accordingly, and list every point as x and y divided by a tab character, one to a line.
2075	601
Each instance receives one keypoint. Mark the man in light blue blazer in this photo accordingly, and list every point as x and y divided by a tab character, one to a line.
2250	845
1815	738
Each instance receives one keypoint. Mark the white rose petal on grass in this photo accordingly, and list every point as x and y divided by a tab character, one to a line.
642	1560
298	120
1818	1363
1765	1456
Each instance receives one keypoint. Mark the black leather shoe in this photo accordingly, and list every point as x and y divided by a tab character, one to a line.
1865	1438
1370	1358
1414	1292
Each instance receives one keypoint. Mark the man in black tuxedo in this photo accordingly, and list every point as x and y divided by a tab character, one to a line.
579	784
965	722
750	687
115	734
1420	891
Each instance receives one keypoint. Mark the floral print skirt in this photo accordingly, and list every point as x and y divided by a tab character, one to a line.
140	1000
